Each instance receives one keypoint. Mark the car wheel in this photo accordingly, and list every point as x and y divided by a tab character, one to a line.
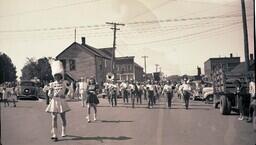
209	99
225	105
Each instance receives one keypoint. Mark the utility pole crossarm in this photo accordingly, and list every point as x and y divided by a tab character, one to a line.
114	28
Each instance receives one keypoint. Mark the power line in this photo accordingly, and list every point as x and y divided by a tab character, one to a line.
184	19
188	35
50	8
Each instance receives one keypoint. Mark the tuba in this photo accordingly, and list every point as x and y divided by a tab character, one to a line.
110	76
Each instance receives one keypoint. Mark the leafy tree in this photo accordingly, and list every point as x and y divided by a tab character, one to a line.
40	69
7	69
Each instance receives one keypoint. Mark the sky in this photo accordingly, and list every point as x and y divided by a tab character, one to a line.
179	35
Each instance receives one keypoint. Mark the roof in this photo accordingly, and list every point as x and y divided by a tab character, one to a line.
223	58
241	67
125	57
137	65
94	51
107	51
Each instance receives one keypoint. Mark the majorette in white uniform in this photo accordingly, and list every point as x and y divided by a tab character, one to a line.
57	105
57	91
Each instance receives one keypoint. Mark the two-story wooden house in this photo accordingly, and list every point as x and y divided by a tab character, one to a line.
83	60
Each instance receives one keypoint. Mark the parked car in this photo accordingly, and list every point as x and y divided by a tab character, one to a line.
27	89
207	92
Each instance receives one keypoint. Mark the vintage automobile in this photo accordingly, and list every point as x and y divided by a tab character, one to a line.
207	93
27	90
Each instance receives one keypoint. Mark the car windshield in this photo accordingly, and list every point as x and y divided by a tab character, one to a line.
27	84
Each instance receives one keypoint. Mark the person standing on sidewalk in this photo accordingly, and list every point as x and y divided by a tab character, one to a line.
241	92
5	97
57	105
252	99
92	99
82	85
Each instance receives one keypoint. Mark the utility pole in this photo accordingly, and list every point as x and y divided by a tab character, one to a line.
114	28
157	65
145	66
145	63
75	35
246	50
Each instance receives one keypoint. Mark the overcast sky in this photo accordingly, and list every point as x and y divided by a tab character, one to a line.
179	35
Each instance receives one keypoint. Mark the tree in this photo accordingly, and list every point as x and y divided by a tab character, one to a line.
7	69
40	69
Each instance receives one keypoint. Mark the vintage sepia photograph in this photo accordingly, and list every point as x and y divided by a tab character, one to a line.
127	72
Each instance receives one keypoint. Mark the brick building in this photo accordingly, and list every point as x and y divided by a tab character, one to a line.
127	69
227	63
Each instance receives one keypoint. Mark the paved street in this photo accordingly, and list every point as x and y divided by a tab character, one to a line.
28	124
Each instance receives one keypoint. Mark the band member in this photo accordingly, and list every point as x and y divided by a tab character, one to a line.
186	92
168	92
57	105
139	93
150	92
131	90
113	93
92	99
123	87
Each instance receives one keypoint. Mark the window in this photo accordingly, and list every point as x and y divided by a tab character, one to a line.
72	64
105	62
64	64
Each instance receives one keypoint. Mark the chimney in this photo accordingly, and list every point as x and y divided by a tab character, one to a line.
231	55
83	40
251	56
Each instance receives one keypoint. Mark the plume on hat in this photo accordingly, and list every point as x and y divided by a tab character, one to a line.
57	67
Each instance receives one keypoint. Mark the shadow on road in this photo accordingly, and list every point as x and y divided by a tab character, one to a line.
96	138
113	121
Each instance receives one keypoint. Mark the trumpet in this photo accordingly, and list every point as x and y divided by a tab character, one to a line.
110	76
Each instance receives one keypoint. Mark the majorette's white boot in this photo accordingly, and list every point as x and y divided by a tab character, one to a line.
94	117
54	136
63	131
88	118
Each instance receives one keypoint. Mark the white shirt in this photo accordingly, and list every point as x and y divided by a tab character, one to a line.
186	87
82	86
150	87
167	88
252	88
123	85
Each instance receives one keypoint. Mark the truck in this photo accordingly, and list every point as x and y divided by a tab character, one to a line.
224	90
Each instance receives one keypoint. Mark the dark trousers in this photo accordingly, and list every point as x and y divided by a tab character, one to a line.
47	98
5	101
145	95
139	98
169	99
125	96
186	99
113	99
150	98
132	94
